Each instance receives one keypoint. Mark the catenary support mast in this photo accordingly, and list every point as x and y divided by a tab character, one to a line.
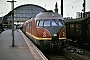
12	6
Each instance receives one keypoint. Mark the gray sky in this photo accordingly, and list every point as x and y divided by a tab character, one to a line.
70	6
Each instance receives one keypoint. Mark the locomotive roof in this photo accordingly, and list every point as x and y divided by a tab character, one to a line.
48	15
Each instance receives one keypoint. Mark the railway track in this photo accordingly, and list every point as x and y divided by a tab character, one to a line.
58	57
52	55
66	55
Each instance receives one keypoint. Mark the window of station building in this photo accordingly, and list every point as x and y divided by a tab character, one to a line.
27	15
16	11
21	11
27	11
24	11
26	7
22	15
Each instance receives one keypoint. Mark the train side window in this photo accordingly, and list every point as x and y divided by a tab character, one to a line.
47	23
37	22
30	24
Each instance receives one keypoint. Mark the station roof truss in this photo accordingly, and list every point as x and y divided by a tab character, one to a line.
24	12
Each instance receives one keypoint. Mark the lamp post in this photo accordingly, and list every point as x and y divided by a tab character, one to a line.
12	12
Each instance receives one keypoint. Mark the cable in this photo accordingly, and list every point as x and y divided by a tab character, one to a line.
72	3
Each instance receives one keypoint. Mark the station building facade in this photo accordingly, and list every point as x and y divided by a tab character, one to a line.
22	13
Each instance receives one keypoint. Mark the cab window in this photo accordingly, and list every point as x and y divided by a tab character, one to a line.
60	22
54	23
46	22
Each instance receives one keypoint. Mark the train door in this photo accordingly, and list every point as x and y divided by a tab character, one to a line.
72	32
67	30
88	36
30	27
85	33
78	32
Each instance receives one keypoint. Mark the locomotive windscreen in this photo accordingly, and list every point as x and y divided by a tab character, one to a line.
50	22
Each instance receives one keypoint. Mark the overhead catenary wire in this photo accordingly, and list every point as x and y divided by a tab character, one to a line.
72	3
75	5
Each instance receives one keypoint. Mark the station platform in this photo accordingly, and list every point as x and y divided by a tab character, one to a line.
23	50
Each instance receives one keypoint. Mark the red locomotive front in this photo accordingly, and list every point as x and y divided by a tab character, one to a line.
47	29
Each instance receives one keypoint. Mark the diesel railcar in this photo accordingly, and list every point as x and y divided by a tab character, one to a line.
46	30
78	31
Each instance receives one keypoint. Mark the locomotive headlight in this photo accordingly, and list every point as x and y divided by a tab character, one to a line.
55	34
44	34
